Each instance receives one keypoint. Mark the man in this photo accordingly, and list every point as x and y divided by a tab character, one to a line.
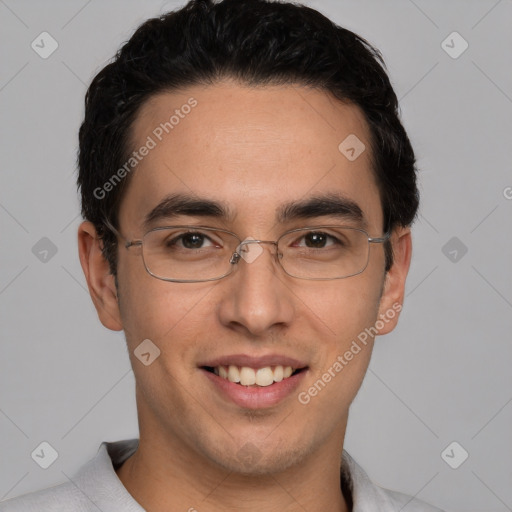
248	190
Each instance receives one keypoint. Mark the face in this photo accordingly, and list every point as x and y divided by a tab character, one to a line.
256	153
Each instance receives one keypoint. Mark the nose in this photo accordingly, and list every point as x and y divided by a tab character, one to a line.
256	298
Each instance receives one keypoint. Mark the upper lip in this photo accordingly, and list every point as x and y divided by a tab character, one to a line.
254	361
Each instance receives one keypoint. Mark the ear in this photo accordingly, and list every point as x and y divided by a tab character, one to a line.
100	281
394	285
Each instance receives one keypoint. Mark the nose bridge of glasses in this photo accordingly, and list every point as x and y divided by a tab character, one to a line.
244	251
249	241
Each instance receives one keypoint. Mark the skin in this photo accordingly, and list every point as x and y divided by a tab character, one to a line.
253	149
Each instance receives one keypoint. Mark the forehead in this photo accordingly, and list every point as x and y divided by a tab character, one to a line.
251	148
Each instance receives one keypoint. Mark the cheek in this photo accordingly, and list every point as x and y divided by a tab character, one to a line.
342	317
342	308
347	316
155	309
171	316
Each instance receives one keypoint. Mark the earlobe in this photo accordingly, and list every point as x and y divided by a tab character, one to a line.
394	286
100	281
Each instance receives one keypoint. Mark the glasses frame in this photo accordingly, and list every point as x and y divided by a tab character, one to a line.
236	256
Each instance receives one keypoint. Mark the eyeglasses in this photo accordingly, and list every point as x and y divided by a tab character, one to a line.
191	254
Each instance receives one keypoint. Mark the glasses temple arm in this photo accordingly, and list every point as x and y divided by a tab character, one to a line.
379	240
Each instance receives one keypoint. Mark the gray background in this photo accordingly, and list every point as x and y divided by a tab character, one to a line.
444	375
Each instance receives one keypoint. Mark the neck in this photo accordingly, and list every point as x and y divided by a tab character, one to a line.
171	478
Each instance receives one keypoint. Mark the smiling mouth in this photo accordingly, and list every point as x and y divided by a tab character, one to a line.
255	377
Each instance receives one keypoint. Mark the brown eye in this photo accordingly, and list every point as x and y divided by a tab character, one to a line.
193	240
316	240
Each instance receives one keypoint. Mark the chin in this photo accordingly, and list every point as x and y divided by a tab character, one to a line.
250	460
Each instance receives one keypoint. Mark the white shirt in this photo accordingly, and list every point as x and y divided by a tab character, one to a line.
96	488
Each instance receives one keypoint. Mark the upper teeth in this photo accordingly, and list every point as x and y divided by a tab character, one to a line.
250	376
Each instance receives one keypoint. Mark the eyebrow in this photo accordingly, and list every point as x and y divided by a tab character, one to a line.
183	204
332	205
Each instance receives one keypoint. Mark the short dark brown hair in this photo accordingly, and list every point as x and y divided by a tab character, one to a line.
258	42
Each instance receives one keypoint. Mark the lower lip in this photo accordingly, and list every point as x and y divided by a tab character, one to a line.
256	397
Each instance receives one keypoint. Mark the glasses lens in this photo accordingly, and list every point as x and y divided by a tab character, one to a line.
188	253
324	253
